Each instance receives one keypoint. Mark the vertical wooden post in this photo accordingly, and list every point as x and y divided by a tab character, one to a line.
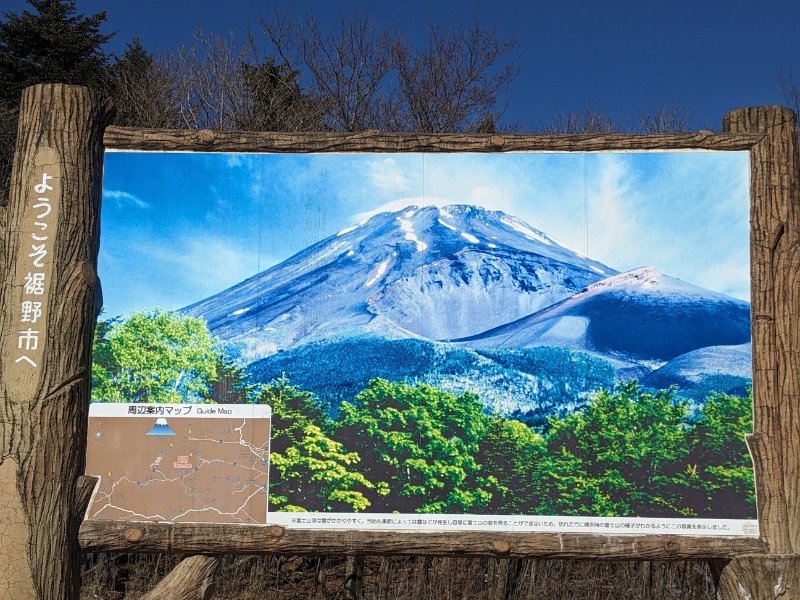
49	237
354	578
775	442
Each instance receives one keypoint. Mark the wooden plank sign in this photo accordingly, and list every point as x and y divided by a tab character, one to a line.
31	300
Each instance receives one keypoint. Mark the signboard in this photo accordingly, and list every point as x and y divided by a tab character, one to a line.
34	274
509	341
179	462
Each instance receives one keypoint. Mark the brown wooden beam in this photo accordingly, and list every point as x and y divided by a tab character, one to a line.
198	538
126	138
191	579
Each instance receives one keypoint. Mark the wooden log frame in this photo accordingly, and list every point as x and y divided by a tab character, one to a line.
43	432
767	132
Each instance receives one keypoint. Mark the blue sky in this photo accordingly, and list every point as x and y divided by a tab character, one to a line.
178	227
623	57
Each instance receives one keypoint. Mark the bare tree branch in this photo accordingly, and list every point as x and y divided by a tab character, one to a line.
453	84
675	119
586	120
143	87
346	68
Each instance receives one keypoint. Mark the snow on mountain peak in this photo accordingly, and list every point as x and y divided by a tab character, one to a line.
408	228
525	230
643	277
447	225
651	280
378	272
398	271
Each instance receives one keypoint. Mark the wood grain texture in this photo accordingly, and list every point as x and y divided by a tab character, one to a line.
43	431
775	317
191	579
125	138
760	578
198	538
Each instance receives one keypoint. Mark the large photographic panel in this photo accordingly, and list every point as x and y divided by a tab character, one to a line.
508	341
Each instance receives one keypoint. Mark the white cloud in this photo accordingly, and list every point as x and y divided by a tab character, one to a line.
612	225
386	174
124	199
233	160
731	275
486	196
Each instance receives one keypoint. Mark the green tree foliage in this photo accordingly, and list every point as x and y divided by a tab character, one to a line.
419	444
153	357
513	453
624	454
231	385
398	447
720	460
53	44
311	471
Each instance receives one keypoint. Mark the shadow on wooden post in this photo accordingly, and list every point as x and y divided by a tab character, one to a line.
48	285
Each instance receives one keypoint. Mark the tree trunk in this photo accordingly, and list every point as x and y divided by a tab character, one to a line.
49	237
761	577
320	579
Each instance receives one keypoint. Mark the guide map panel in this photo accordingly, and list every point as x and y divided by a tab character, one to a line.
179	462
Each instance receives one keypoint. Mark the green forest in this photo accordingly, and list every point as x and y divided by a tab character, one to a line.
410	447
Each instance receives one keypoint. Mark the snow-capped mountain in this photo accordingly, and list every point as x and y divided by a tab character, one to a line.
468	299
432	272
641	316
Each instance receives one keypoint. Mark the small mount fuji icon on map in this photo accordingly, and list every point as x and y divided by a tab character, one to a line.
160	428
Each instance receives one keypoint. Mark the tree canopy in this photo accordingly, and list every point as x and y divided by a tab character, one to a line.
153	357
421	444
396	447
52	44
314	471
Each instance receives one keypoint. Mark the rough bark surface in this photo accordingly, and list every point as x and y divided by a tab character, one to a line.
122	138
354	578
761	578
197	538
192	579
775	317
43	417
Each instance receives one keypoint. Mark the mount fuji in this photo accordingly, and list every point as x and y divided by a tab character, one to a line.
431	273
470	299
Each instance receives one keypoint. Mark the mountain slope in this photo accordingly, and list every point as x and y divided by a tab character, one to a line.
429	272
641	315
529	384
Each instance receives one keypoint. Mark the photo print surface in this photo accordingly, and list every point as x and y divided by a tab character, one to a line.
451	341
